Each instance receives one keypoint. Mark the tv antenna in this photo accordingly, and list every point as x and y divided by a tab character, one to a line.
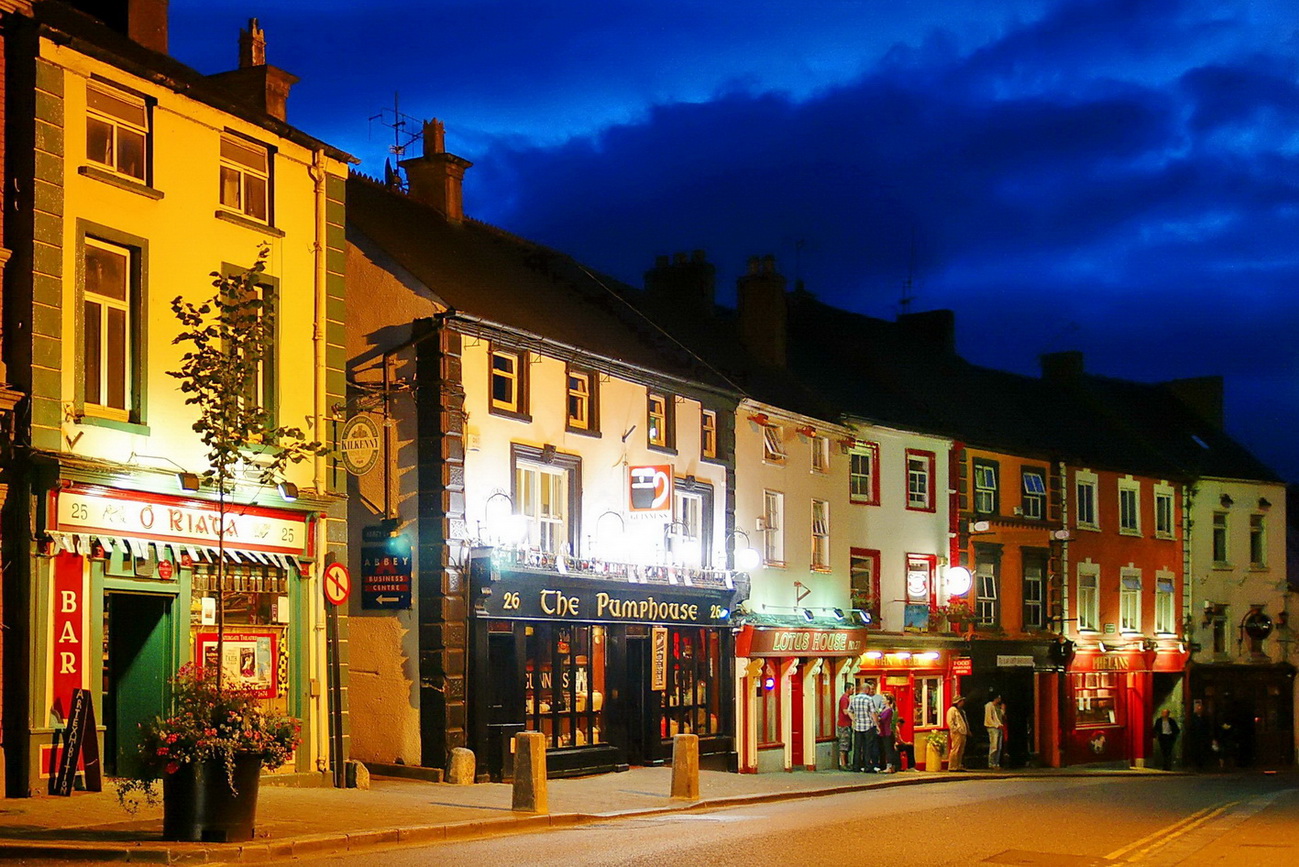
909	285
405	130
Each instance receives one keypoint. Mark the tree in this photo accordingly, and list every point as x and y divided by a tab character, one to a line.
231	339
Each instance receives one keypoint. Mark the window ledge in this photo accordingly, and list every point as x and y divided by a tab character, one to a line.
114	180
1129	532
822	569
864	502
509	413
1094	528
115	424
1258	567
667	450
1166	537
583	432
240	220
774	564
1220	566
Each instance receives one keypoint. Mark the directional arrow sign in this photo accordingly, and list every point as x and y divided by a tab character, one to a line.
337	583
385	572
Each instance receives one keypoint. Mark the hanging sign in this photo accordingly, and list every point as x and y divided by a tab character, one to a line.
649	491
360	444
385	572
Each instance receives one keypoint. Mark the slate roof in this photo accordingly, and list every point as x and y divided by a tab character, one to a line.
484	273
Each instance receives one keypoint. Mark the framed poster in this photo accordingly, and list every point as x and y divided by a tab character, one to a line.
249	659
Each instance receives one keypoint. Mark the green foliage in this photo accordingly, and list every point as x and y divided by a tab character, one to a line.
231	339
937	740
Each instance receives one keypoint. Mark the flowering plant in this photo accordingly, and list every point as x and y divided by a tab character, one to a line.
937	740
207	724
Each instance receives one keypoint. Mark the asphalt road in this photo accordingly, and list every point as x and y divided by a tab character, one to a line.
1231	820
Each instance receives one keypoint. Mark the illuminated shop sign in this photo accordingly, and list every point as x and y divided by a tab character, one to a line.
770	641
649	491
919	577
606	604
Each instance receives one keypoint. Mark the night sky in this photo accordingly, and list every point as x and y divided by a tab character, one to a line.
1120	178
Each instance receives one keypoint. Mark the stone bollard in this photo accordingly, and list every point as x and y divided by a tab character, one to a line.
463	767
357	776
530	773
685	767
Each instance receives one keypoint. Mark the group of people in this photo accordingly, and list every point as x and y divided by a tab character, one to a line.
871	738
1227	742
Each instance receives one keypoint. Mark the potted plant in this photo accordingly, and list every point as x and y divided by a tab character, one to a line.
209	754
935	749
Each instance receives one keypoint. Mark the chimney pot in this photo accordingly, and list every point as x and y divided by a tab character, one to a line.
763	312
437	177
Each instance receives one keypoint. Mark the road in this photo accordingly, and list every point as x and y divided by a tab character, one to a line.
1230	820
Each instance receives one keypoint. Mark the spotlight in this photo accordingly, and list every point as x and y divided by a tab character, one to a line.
808	615
288	491
838	613
188	481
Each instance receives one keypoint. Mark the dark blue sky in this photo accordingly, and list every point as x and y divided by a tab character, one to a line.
1116	177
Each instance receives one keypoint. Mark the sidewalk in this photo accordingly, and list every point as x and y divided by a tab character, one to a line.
92	827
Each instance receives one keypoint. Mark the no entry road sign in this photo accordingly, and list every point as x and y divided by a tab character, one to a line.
337	583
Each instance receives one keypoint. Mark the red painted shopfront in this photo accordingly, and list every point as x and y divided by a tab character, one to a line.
923	680
1111	696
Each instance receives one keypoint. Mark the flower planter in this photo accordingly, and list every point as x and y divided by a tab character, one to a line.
933	759
198	805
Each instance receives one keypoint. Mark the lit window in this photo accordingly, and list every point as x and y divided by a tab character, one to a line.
509	381
1088	599
986	584
864	583
109	323
1086	502
928	700
985	487
245	178
820	454
1164	514
1129	507
541	495
117	131
1034	497
820	535
1220	550
773	451
1130	600
1257	542
687	536
658	417
863	474
1034	593
773	519
583	404
1165	611
708	434
920	474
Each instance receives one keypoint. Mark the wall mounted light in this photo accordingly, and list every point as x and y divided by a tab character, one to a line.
188	481
288	491
808	615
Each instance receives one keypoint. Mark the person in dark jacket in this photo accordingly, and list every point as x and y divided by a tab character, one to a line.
1166	731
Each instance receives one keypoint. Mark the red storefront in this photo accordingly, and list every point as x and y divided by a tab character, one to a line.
923	678
1110	699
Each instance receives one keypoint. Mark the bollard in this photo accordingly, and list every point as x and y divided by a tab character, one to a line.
463	767
685	767
530	773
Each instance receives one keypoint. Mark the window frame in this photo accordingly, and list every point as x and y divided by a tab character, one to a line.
1084	481
244	171
114	91
928	460
820	446
590	426
987	605
703	492
873	606
1220	540
553	463
1257	541
708	434
518	407
1130	600
820	550
773	537
870	452
986	486
773	444
666	439
1033	559
136	363
1165	604
1129	500
1164	497
1028	496
1089	617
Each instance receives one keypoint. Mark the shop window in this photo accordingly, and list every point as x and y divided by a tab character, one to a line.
985	487
927	696
582	407
827	705
708	434
1085	502
691	704
773	522
820	536
768	712
1129	507
864	578
820	454
1165	610
256	620
1257	542
1034	591
117	131
1088	598
245	178
1220	550
564	683
1163	513
1130	600
1095	697
110	328
509	382
547	492
920	480
1033	501
920	577
660	421
863	474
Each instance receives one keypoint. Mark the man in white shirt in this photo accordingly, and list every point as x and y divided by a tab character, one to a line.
994	720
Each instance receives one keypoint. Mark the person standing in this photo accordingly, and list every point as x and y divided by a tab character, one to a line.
875	742
1199	733
994	720
958	729
843	728
859	708
1166	731
888	722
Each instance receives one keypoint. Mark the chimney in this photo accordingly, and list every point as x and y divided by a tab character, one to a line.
437	178
142	21
256	82
687	285
763	314
1202	395
933	329
1062	368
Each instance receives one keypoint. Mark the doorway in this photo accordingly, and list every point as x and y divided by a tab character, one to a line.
796	720
137	663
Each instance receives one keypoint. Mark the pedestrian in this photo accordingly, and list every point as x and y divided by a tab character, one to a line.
843	728
888	720
859	708
994	720
958	729
875	742
1166	732
1199	735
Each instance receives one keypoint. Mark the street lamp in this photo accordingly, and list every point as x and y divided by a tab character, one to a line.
746	558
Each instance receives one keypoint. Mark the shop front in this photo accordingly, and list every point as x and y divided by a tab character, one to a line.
1111	696
127	592
607	662
790	673
1256	703
1025	673
923	674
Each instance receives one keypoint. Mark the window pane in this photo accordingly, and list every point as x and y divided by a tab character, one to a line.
106	272
255	197
130	153
116	358
121	107
246	155
92	314
99	141
230	187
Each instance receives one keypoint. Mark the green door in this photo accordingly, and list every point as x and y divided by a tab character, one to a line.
138	640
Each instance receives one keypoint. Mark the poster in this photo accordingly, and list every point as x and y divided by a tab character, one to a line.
249	660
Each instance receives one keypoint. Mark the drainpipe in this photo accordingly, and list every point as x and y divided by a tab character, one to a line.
317	662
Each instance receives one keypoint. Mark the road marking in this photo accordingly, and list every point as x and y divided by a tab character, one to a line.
1169	833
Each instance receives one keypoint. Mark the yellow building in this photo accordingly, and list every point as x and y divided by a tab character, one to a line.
144	177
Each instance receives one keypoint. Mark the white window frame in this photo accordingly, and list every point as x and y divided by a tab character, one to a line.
514	377
1257	541
106	303
1129	507
928	699
820	535
986	591
1089	599
1033	502
985	487
773	522
1165	604
773	449
921	468
578	403
246	173
1220	540
687	528
658	419
1164	512
1034	576
869	455
119	124
1086	501
1129	600
547	512
820	454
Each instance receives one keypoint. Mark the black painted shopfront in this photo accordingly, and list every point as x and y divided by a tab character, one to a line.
608	666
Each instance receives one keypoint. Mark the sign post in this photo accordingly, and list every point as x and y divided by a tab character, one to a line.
336	584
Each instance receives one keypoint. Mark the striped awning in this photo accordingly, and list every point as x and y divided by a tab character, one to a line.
145	549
